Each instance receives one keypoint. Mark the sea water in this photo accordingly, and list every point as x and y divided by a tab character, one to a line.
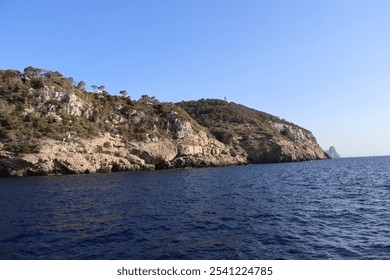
327	209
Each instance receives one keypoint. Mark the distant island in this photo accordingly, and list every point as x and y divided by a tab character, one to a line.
332	152
50	124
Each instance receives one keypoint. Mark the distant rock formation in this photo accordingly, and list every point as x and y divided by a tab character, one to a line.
332	152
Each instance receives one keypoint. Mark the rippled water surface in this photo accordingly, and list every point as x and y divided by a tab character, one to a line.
334	209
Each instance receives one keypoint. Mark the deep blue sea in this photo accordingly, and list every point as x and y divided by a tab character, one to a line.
329	209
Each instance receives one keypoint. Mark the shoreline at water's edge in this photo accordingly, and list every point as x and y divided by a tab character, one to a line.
151	169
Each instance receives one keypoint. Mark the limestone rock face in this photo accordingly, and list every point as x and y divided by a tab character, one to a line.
291	144
85	156
256	136
296	144
109	154
74	105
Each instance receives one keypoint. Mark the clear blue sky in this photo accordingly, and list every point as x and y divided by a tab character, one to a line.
324	65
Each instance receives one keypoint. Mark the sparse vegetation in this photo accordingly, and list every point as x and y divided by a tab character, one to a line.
37	104
226	119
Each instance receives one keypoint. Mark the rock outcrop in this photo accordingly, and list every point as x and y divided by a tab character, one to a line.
332	152
49	126
254	135
111	154
290	144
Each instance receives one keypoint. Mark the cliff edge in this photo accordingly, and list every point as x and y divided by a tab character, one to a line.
257	136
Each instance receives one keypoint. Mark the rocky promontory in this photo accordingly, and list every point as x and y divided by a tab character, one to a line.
49	124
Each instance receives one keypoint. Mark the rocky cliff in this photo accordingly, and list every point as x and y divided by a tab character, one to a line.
48	125
254	135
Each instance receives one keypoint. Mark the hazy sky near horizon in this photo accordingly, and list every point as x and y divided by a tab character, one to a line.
324	65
